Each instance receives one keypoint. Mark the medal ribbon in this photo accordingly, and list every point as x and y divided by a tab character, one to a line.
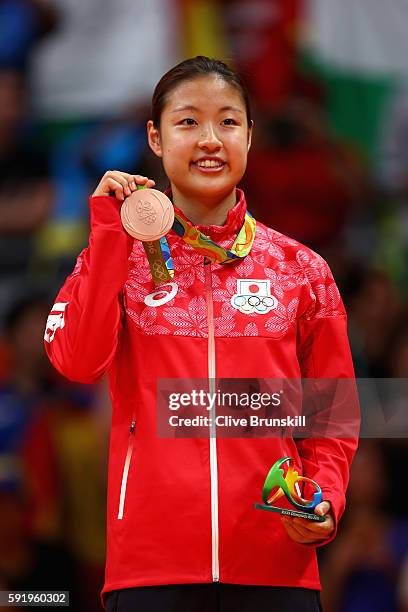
158	251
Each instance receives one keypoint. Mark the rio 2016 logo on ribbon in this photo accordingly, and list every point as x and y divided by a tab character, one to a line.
254	295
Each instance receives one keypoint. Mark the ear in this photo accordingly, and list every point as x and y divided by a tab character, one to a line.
250	128
153	137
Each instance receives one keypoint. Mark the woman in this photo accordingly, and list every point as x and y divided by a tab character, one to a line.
182	532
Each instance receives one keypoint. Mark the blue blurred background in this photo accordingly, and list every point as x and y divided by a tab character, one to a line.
329	166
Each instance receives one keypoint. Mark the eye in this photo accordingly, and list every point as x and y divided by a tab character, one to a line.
229	121
188	121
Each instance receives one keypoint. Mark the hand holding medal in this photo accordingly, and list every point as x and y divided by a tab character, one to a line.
147	214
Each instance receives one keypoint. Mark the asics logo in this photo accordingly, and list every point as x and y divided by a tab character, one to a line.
161	295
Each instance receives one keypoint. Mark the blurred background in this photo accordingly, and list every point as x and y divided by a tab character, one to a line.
329	166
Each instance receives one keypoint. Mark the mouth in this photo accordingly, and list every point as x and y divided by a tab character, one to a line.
209	165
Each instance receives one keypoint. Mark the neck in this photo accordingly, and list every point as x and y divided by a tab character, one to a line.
204	212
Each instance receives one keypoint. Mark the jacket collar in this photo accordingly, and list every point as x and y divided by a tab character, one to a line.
232	225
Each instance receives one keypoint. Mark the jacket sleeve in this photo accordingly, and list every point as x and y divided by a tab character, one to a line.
325	360
83	327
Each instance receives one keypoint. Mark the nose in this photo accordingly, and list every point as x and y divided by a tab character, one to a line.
209	139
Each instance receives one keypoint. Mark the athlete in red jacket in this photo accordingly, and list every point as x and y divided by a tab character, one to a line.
180	509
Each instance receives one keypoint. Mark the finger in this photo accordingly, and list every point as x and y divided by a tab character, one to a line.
122	180
316	530
305	537
308	529
293	533
134	180
129	180
289	529
323	508
313	525
139	179
116	187
300	529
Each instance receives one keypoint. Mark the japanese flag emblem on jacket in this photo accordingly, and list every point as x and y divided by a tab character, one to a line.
254	295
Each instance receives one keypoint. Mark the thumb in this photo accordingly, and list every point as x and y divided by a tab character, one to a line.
322	508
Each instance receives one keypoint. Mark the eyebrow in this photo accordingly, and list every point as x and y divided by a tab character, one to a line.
194	108
231	108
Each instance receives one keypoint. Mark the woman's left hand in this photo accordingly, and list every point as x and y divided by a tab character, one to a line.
304	531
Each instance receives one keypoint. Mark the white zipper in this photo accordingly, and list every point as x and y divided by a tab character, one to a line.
125	472
213	439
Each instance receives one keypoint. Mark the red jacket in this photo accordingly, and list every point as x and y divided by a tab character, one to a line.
181	510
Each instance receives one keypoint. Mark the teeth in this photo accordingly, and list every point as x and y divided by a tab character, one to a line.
209	163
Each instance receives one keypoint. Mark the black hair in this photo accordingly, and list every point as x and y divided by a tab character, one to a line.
193	68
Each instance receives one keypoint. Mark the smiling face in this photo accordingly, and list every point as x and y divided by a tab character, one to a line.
203	138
